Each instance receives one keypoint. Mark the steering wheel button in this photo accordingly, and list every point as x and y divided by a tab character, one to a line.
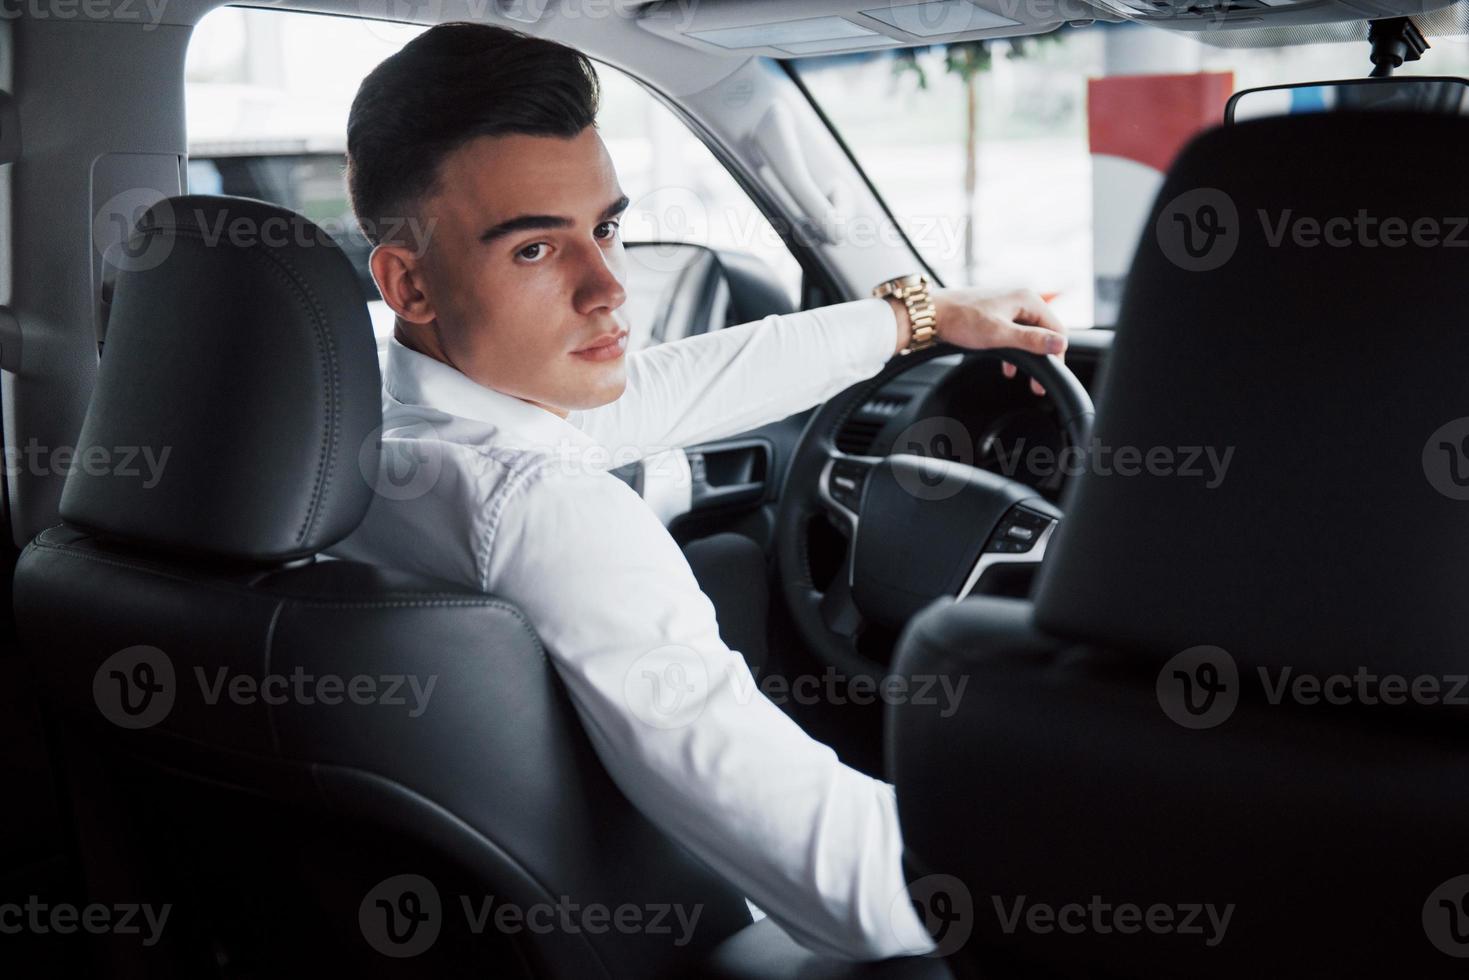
1021	532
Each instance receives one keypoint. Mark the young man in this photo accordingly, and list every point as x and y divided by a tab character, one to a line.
508	384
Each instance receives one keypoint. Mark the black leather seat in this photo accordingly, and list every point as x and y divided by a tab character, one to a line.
277	831
1097	751
313	766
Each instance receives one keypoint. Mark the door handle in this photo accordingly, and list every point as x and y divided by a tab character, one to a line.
728	473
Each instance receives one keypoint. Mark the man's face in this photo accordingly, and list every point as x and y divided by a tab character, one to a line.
524	269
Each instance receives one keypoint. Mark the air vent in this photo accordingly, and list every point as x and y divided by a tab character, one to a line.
863	426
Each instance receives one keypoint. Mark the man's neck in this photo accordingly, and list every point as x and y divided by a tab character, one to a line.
431	346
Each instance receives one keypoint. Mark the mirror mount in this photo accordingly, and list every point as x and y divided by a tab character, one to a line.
1394	41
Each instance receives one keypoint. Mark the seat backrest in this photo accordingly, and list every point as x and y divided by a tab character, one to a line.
1194	713
310	764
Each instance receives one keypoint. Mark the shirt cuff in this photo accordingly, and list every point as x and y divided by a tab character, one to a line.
875	324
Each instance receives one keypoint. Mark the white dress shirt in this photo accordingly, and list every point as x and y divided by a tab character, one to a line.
508	498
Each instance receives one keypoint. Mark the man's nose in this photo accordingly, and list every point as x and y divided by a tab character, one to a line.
601	284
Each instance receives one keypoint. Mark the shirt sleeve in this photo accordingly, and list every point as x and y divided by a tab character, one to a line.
682	728
720	384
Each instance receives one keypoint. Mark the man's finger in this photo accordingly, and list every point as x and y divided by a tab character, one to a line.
1031	309
1037	340
1007	369
1035	386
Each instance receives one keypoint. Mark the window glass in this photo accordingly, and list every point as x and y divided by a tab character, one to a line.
267	97
1034	162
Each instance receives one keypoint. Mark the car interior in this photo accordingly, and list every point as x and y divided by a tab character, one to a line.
1280	367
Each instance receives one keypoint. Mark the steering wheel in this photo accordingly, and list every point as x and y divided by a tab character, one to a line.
918	527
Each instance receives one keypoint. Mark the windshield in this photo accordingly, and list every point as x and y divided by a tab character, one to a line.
1033	162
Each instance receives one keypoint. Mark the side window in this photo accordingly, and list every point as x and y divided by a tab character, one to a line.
267	96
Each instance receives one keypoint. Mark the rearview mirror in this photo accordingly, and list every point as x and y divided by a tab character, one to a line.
1398	94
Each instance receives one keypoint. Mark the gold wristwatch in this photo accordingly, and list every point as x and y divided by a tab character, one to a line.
913	291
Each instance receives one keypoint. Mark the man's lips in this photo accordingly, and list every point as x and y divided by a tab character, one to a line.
604	347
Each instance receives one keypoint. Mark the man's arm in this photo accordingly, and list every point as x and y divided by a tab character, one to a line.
719	384
682	728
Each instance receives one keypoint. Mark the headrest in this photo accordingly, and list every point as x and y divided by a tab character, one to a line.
1296	308
239	382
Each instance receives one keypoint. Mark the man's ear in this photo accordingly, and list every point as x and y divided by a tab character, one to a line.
398	272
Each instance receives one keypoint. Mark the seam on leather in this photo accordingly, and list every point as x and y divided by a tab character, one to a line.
430	599
326	352
314	768
269	643
317	768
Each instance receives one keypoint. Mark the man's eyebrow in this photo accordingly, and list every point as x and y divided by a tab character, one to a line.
529	222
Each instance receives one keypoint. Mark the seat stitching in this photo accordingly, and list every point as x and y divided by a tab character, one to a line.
326	356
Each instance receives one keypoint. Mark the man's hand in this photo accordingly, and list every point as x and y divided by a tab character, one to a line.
980	320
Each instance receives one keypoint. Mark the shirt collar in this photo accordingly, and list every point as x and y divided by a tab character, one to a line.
417	379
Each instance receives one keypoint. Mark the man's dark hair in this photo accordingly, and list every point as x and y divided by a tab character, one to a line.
451	84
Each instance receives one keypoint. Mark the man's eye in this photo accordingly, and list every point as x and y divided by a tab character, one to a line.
607	229
533	251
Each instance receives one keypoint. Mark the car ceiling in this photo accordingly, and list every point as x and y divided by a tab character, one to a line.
691	44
